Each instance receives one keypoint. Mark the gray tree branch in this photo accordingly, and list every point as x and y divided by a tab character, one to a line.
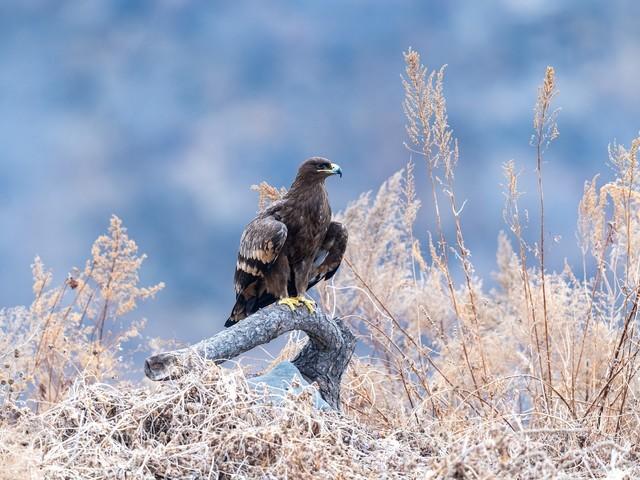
323	359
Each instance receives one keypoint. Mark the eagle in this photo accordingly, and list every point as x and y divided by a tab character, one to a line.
290	246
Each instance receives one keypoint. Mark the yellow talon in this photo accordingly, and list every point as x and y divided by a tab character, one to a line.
295	302
310	304
291	302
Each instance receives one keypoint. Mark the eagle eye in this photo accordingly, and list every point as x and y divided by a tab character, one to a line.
324	166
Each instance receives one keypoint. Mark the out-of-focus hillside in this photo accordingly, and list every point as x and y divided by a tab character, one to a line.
165	112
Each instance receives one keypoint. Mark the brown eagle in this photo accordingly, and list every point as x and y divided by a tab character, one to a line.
290	246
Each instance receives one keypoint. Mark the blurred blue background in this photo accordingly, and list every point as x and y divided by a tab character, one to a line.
164	112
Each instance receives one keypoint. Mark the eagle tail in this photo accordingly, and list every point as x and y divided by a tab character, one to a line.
241	310
246	306
230	322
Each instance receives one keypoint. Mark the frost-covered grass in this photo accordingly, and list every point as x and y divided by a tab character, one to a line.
210	424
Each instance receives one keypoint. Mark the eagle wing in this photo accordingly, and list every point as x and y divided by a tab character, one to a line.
260	245
330	254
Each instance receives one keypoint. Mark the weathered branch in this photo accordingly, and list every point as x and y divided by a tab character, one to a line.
323	359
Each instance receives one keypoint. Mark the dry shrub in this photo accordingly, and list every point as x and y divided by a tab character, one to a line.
544	351
75	330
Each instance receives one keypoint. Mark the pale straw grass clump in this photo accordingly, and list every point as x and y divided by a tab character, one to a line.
212	424
208	424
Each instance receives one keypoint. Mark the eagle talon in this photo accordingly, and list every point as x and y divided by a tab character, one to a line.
291	302
295	302
310	304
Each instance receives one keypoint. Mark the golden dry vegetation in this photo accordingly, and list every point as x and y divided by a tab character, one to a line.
534	378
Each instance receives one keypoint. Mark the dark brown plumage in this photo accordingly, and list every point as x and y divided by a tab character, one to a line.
290	246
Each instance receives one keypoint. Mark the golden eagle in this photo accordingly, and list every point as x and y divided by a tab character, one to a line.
290	246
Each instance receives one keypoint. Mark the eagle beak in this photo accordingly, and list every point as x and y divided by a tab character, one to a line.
336	170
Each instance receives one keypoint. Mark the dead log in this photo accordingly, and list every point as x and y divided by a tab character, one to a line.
322	360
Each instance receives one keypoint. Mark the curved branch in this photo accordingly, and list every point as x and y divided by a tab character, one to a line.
323	359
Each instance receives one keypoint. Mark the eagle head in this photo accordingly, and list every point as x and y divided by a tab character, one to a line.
317	169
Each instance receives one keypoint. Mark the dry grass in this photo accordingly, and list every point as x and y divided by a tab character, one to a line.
74	330
535	378
210	424
207	425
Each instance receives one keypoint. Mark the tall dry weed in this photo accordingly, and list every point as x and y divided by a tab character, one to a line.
76	329
543	349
